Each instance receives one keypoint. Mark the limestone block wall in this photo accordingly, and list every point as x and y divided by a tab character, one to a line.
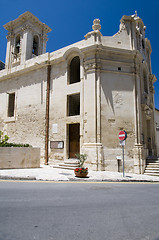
19	157
60	90
28	123
117	113
58	109
157	131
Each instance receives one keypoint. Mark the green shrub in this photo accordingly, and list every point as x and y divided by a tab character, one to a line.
4	142
3	139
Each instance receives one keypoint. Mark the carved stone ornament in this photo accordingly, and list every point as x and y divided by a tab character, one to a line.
122	26
96	34
44	37
26	27
134	15
10	35
148	112
96	25
92	66
137	29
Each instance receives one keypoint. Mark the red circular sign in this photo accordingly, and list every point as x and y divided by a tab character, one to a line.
122	135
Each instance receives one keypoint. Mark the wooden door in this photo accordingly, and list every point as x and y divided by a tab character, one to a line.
149	140
74	139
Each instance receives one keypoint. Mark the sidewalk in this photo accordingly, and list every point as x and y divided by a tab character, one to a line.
48	173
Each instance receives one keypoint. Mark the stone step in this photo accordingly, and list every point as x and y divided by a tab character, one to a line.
63	167
152	162
152	174
153	158
151	170
152	166
68	165
71	161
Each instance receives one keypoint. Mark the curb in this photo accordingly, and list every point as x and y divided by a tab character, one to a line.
77	179
17	178
111	180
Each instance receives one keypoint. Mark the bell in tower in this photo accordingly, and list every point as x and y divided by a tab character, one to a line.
27	37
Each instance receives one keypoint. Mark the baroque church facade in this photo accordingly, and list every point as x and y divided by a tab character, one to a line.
78	98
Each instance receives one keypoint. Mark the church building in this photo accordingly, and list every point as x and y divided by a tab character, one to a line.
77	99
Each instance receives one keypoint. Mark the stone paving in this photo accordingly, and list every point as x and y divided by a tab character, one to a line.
48	173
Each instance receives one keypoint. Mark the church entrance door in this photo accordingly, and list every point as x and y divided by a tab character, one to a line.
74	139
149	138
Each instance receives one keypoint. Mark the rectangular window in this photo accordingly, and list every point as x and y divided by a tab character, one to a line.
73	102
11	104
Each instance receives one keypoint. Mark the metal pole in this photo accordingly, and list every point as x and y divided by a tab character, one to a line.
123	160
47	115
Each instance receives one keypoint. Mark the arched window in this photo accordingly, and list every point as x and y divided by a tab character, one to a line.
145	82
74	71
143	44
35	45
17	44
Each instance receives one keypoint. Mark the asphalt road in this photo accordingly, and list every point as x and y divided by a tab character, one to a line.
70	211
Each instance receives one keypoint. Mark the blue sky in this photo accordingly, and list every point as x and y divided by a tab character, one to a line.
70	20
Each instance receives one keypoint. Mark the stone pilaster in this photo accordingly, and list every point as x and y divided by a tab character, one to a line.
44	41
10	39
139	160
95	155
27	43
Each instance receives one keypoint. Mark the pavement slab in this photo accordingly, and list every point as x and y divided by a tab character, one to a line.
49	173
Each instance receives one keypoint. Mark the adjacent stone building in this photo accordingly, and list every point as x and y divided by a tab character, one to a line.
157	128
2	65
78	98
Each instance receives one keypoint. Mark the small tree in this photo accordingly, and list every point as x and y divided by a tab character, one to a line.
3	138
82	158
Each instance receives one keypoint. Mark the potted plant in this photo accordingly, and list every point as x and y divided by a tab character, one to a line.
81	171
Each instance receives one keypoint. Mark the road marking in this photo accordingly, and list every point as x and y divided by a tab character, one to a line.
93	182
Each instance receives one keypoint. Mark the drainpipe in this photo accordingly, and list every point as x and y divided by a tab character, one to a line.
138	137
47	112
136	106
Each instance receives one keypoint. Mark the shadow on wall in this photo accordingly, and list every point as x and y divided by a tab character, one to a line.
114	89
31	78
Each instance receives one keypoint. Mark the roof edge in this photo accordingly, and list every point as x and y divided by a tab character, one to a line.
24	17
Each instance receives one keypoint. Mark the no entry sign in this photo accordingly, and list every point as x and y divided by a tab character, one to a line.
122	135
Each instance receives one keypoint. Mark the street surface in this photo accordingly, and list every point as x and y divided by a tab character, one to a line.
70	211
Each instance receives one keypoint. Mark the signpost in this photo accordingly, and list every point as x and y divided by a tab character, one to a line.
122	138
122	135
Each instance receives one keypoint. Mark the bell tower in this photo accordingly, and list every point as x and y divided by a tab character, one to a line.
27	37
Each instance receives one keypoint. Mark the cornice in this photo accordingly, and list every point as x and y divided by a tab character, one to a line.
24	68
23	18
100	47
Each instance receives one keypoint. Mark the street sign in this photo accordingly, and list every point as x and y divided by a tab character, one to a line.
122	138
122	143
122	135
